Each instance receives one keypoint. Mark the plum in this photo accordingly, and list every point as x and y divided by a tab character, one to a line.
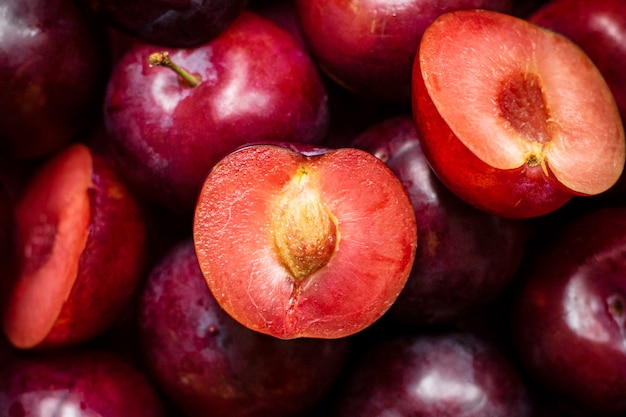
78	383
53	71
210	365
514	119
80	248
445	375
252	83
568	321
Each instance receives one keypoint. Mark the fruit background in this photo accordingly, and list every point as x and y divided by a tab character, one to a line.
105	157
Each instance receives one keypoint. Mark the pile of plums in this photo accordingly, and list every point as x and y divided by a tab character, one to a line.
250	208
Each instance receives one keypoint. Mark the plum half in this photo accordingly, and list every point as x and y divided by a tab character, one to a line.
304	246
514	119
80	249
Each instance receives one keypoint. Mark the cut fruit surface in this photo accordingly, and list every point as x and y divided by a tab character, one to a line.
514	119
304	246
52	220
516	94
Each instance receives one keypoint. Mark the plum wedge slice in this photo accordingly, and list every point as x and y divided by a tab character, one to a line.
515	119
80	240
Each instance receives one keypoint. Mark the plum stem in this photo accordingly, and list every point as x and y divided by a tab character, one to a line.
163	59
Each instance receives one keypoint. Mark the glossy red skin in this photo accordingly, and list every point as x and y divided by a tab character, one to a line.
466	258
599	28
367	270
444	375
204	360
175	23
519	193
53	68
368	46
165	153
576	274
81	383
110	266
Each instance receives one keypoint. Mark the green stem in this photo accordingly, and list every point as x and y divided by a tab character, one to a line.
163	59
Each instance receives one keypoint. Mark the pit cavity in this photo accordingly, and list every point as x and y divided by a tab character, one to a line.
522	104
304	231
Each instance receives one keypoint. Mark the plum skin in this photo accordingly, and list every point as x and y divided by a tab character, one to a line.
443	374
568	314
82	382
203	359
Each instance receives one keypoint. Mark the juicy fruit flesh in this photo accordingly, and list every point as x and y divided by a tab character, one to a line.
52	227
333	275
304	230
529	96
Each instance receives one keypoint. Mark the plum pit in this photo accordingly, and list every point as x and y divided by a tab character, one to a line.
305	233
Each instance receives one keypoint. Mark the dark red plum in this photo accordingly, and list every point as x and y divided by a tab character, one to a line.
256	84
443	375
368	46
465	258
53	70
599	28
77	383
569	321
177	23
210	365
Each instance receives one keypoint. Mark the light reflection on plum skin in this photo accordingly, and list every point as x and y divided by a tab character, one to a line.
582	309
447	374
568	315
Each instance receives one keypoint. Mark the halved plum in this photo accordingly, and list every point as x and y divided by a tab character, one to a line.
304	246
80	242
515	119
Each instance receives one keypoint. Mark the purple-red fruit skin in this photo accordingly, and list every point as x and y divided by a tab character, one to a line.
80	383
53	69
204	360
444	375
569	316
